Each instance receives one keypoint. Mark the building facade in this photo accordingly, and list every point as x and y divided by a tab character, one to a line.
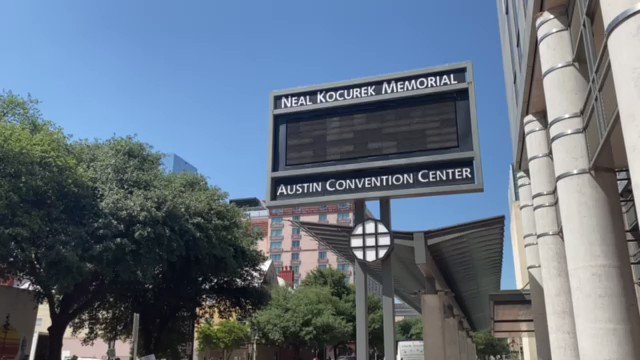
287	245
571	76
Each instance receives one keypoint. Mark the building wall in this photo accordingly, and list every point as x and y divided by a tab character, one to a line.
18	312
280	230
174	164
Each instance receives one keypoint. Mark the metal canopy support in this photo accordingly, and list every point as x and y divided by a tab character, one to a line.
388	293
362	317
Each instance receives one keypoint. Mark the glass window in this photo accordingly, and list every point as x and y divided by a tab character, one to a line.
276	257
278	269
276	245
295	243
323	217
276	220
296	218
296	231
276	232
322	266
296	269
343	267
322	255
295	256
343	216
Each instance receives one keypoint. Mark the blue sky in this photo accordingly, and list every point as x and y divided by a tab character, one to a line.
194	77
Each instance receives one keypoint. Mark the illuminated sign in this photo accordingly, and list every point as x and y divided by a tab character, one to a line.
411	134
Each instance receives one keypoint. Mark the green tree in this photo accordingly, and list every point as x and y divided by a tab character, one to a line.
227	335
332	278
337	282
488	345
305	318
409	329
101	232
49	216
180	246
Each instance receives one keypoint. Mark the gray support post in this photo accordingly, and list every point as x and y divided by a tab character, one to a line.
604	304
533	267
360	279
388	293
622	23
451	339
433	326
462	343
557	292
471	347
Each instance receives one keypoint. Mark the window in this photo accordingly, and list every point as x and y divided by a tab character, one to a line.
276	232
296	218
343	216
296	269
295	243
322	255
344	267
322	267
276	257
295	256
278	269
276	245
276	220
296	283
296	231
323	217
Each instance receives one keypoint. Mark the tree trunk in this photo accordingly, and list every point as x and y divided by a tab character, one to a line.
56	336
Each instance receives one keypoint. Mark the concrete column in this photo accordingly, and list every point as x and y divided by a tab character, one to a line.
433	326
557	294
607	320
471	350
451	339
533	266
622	23
462	343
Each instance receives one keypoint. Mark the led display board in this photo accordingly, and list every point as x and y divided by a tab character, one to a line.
401	135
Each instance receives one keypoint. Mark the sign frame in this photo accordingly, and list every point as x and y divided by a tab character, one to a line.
472	155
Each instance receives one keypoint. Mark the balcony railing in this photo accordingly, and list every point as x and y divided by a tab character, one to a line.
295	248
323	261
277	225
295	262
296	236
275	250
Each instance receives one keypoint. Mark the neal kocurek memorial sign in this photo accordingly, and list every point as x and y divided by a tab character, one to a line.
408	134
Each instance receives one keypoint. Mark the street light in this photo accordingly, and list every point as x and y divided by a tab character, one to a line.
371	240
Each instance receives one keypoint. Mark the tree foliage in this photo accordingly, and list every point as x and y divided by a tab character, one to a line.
303	318
409	329
49	216
226	335
332	278
279	324
101	232
180	246
488	345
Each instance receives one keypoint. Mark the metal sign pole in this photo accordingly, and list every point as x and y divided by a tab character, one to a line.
362	316
388	293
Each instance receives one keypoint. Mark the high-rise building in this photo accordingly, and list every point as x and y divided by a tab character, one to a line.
284	242
174	164
571	77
